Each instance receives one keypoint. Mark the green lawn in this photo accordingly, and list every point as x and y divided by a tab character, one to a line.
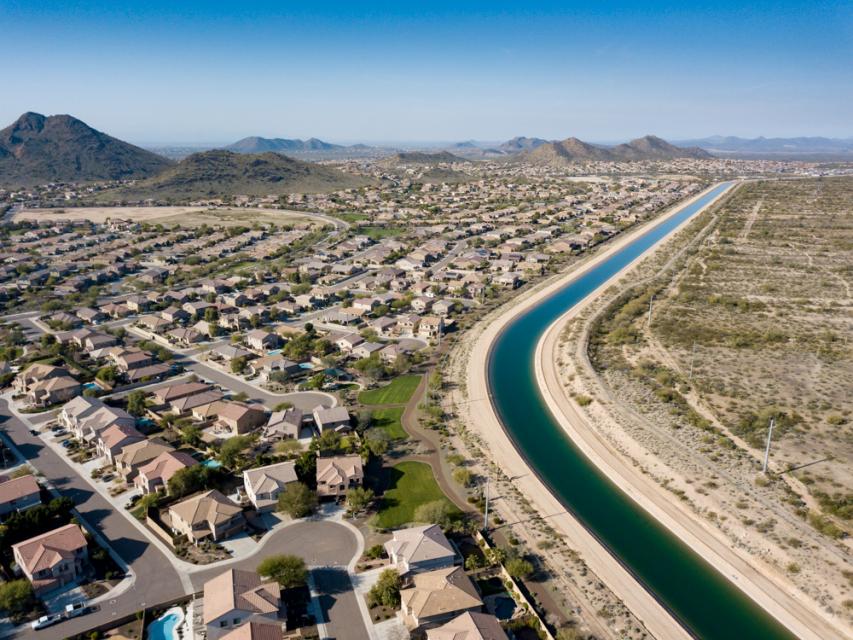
377	233
410	485
398	392
388	420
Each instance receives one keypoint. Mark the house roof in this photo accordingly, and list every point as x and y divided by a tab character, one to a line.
420	544
210	507
48	549
469	626
239	590
116	434
255	631
338	469
439	592
17	488
271	477
138	453
167	464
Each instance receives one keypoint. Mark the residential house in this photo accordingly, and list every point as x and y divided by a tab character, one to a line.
469	626
255	631
114	438
431	327
138	454
86	417
262	340
155	475
177	390
240	418
264	484
338	474
333	419
236	597
207	515
284	425
435	597
423	548
19	494
44	384
53	559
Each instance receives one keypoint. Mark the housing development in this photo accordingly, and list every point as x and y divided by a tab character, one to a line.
546	336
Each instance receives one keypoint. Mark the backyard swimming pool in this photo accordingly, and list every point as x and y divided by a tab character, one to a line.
163	628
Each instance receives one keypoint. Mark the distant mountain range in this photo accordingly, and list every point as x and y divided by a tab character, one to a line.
422	157
36	149
573	150
774	147
312	148
218	172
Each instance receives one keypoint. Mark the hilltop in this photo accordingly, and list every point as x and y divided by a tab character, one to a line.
219	172
421	157
572	150
37	149
257	144
521	143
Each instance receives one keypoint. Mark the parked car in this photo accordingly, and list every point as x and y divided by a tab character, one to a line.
66	443
46	621
76	609
33	432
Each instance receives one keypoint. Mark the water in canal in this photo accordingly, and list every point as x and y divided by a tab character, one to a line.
705	602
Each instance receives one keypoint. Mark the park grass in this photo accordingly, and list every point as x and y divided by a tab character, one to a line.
390	421
378	233
399	391
411	484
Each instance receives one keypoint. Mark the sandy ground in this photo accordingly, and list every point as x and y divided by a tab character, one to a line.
790	608
185	216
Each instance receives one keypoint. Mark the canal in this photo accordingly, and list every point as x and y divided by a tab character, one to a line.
700	597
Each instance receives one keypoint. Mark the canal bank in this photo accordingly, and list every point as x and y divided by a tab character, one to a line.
678	581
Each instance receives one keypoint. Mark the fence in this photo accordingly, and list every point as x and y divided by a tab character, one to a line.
516	591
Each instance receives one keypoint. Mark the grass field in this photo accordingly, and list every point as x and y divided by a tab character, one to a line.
411	485
398	392
388	420
377	233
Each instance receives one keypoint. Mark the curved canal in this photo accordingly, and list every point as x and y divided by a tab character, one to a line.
701	598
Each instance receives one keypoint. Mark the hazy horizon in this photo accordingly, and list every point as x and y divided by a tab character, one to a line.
194	71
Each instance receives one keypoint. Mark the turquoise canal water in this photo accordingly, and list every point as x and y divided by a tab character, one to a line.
703	600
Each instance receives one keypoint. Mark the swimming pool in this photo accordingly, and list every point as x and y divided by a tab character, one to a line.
211	463
163	628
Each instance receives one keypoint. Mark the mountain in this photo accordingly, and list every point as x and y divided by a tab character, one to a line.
422	157
775	147
219	172
256	144
37	149
654	148
572	150
521	143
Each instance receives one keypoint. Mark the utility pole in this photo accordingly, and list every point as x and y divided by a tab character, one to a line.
486	514
651	301
767	449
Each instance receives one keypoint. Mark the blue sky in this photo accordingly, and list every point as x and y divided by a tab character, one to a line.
184	71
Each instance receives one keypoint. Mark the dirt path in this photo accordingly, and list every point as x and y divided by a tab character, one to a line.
747	227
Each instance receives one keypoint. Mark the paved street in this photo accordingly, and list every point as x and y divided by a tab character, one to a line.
156	580
305	400
324	544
